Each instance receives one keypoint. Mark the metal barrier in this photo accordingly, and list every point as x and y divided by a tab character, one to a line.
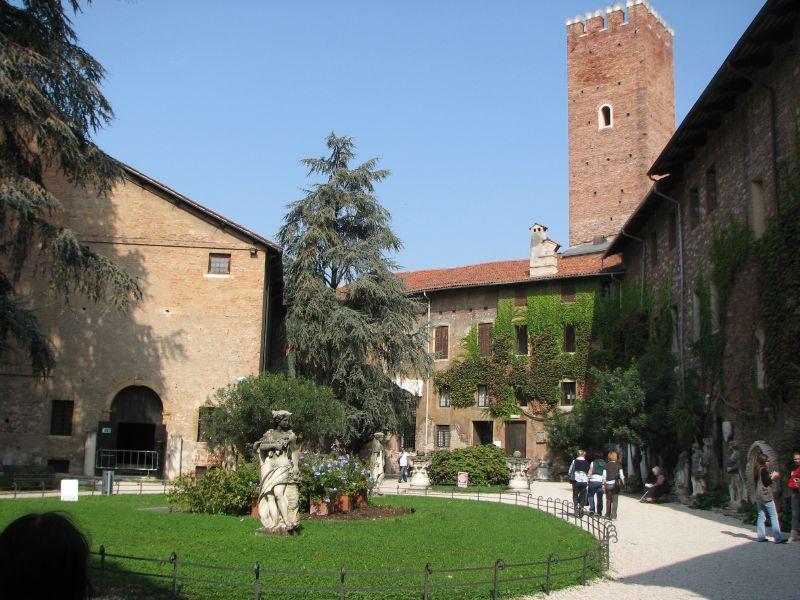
21	488
128	460
259	580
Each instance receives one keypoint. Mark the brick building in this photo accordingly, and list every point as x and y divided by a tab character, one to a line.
620	114
135	382
721	169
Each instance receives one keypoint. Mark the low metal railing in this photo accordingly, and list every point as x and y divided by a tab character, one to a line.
34	487
147	461
259	581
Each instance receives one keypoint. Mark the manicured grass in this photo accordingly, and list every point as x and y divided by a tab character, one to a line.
446	533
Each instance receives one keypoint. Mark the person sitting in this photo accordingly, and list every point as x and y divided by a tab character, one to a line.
656	489
39	544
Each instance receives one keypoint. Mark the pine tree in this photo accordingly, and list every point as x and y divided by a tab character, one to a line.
50	105
349	324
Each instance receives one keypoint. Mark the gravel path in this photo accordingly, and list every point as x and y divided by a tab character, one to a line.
672	552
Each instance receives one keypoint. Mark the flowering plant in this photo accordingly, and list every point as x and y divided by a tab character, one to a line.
326	476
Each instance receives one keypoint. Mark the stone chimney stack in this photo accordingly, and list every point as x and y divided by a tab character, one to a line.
543	252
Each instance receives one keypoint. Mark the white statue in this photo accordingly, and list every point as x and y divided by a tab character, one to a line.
518	468
699	463
377	460
279	458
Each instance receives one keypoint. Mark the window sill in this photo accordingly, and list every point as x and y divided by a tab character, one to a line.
216	276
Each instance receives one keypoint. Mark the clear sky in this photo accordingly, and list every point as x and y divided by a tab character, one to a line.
463	100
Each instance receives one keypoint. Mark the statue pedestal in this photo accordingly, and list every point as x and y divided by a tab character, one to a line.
543	471
518	467
420	479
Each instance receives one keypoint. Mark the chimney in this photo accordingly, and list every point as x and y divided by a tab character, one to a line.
543	252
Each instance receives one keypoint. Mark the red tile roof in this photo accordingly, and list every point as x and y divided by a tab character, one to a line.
506	271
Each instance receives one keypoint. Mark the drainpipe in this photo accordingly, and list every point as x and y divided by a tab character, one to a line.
773	101
428	379
681	292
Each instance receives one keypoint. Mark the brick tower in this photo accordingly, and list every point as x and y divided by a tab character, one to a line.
621	96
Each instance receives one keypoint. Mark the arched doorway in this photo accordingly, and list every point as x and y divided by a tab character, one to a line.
132	441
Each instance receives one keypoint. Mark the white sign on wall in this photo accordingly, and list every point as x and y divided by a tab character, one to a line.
69	490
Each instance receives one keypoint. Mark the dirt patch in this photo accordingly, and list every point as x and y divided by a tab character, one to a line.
371	512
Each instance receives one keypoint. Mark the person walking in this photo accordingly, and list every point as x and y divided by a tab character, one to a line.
613	480
596	484
579	475
765	500
794	494
403	461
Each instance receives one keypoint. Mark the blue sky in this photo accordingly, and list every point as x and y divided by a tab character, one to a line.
463	100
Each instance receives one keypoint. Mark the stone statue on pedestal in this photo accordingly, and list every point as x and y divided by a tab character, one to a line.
518	468
377	460
279	459
419	478
735	479
699	464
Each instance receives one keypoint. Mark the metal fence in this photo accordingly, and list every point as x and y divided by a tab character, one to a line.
27	487
146	461
260	581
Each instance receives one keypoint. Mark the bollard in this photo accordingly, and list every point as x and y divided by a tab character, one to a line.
498	566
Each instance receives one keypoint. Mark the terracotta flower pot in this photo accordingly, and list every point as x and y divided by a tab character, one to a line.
361	499
317	506
344	502
254	507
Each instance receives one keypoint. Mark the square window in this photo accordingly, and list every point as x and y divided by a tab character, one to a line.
219	264
441	342
444	397
61	417
482	394
443	436
568	393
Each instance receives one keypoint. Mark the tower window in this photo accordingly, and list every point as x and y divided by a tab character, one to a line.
569	338
605	117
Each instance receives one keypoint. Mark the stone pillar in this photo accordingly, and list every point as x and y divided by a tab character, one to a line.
174	458
89	452
518	467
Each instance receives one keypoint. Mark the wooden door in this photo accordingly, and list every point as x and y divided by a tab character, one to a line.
515	437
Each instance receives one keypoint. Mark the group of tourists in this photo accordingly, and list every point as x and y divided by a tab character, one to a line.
766	479
592	481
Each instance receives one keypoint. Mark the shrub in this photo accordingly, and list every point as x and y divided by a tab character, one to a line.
325	476
709	500
217	492
486	465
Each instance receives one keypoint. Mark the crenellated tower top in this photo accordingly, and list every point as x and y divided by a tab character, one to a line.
615	16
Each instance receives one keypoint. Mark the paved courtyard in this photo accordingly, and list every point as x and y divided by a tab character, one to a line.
672	552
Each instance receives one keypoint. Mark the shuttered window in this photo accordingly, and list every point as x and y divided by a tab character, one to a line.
568	291
522	339
485	339
441	340
482	396
61	417
444	397
569	338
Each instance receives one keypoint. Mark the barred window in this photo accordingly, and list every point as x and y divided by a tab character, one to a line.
443	436
219	264
61	417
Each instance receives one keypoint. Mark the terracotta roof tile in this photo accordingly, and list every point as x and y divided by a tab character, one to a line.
505	271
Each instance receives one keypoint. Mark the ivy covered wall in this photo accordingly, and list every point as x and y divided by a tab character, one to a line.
534	379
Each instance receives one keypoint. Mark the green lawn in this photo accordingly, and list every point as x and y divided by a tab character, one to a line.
446	533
